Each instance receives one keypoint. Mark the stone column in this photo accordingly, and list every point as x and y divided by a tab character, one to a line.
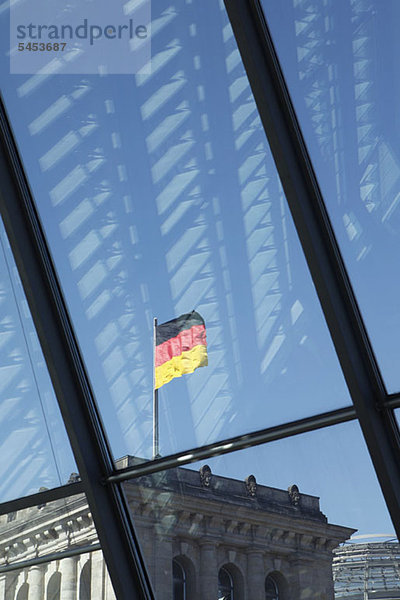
3	581
97	575
208	570
108	588
10	585
323	580
36	583
302	579
68	578
255	575
163	568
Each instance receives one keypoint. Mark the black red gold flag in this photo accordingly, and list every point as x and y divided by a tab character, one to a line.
181	347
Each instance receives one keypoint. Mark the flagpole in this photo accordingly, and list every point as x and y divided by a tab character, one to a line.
156	441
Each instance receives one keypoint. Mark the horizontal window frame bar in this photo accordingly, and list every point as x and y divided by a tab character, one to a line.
45	497
40	560
234	444
392	401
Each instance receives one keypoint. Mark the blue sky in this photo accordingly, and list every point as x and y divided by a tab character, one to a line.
158	195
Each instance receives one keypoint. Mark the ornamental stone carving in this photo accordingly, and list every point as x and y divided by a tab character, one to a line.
251	485
205	475
294	495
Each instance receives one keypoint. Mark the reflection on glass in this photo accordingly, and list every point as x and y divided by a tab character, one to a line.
159	196
179	580
231	538
264	522
339	62
269	520
332	463
34	448
271	588
226	590
63	532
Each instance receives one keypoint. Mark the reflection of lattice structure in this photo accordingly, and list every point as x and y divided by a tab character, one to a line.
367	571
28	412
265	222
340	89
172	195
317	70
379	168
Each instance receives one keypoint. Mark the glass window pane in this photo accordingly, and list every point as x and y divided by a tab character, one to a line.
35	451
313	493
62	532
225	585
339	62
179	580
159	196
271	588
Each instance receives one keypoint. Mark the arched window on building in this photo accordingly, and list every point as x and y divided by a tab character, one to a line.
271	589
225	585
84	582
23	592
53	587
179	581
184	578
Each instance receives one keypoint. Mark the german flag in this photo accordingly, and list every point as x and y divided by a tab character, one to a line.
181	347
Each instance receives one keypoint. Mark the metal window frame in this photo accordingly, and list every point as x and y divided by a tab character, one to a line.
45	497
101	482
320	247
240	442
85	430
46	558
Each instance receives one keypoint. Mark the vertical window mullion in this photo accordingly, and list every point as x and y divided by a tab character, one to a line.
319	245
60	349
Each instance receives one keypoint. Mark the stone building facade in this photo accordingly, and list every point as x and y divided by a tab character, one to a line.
203	537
